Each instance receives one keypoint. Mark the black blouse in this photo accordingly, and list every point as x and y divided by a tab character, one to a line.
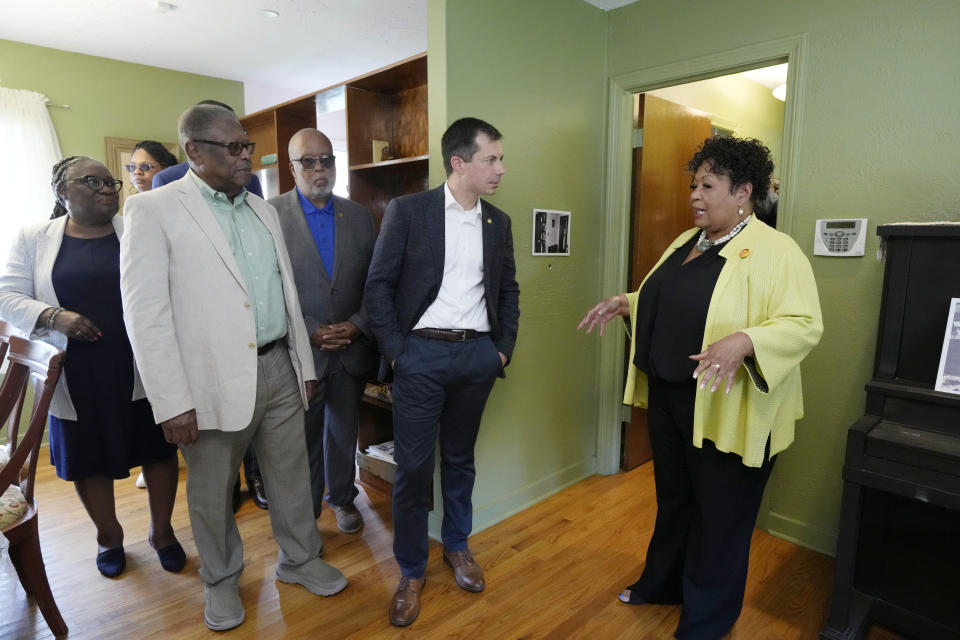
672	313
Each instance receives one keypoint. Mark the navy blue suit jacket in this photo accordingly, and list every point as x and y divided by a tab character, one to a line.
407	268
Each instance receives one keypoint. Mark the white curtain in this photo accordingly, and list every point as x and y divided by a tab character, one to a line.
28	151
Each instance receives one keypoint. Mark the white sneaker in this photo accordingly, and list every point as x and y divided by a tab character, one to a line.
141	483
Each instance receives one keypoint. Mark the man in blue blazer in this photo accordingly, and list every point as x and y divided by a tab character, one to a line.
442	300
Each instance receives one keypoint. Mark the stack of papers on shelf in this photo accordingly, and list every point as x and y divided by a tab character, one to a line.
382	451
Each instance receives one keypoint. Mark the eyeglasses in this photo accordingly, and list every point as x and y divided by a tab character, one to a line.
143	166
233	148
96	183
309	163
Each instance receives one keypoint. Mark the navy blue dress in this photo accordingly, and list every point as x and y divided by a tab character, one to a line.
111	434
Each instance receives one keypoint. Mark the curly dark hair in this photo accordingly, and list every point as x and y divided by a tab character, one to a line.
158	152
743	160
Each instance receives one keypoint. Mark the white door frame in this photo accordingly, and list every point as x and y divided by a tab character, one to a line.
614	265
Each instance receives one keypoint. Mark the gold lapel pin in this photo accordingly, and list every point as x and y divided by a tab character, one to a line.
744	253
489	220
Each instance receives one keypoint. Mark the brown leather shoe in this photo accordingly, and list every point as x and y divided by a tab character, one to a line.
467	572
405	605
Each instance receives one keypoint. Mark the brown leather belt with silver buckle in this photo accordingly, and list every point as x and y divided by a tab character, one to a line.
448	335
267	348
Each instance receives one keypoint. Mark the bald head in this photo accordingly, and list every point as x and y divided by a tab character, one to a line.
311	147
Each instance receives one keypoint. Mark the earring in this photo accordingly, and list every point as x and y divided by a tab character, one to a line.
740	211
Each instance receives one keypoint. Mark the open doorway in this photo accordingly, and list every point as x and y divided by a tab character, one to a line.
670	123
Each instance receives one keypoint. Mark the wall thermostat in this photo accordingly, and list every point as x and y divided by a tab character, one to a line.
840	238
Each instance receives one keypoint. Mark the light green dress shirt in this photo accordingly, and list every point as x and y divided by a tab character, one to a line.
252	246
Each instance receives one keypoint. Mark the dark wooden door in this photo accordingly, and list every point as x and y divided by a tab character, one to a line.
661	212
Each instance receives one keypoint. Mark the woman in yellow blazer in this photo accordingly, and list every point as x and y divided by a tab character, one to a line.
719	328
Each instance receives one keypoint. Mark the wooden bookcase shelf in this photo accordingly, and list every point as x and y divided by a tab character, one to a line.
389	163
388	105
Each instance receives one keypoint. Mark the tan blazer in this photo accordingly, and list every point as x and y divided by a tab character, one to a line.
187	311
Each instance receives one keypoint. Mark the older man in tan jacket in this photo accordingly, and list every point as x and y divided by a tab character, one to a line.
212	313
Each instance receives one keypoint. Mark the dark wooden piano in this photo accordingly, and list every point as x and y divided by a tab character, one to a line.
898	551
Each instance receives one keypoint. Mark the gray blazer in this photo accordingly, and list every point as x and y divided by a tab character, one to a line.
337	297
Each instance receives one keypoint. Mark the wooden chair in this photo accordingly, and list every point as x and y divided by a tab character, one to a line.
6	332
37	364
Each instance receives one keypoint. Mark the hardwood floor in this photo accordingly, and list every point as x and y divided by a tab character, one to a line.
552	571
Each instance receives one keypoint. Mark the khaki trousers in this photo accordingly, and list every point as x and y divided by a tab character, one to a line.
213	461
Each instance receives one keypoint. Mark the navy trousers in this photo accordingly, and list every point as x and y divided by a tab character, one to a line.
707	504
439	391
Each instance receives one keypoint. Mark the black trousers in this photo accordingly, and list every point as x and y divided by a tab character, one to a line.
439	391
707	504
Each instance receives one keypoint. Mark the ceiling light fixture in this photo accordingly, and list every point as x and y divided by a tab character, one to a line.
270	13
780	93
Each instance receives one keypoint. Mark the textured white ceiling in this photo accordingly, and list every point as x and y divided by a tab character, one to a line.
311	45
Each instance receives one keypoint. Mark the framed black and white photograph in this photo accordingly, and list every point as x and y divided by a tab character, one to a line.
551	232
948	375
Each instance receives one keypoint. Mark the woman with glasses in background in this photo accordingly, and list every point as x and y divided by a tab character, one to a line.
148	158
61	284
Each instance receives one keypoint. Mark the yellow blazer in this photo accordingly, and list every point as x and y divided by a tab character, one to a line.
767	290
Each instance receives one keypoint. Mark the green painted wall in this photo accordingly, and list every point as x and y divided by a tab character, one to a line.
533	69
736	100
878	139
108	97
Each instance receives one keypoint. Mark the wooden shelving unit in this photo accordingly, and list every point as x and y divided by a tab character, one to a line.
389	104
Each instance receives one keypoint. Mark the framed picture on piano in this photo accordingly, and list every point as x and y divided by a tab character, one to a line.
948	375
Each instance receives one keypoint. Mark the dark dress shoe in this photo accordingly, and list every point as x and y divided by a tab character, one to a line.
405	605
257	494
466	571
112	562
236	495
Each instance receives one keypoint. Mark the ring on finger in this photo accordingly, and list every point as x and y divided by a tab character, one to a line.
716	365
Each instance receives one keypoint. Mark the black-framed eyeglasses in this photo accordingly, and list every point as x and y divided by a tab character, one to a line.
233	148
143	166
310	163
96	183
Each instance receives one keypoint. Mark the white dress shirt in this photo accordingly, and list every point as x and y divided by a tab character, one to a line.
460	303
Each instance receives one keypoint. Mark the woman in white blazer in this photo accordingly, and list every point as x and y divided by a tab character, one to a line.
61	284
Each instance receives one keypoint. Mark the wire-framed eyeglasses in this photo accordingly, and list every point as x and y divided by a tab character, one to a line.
143	166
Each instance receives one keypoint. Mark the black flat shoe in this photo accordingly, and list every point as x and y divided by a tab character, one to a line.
112	562
172	557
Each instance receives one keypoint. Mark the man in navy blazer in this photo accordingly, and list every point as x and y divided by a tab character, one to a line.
442	300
